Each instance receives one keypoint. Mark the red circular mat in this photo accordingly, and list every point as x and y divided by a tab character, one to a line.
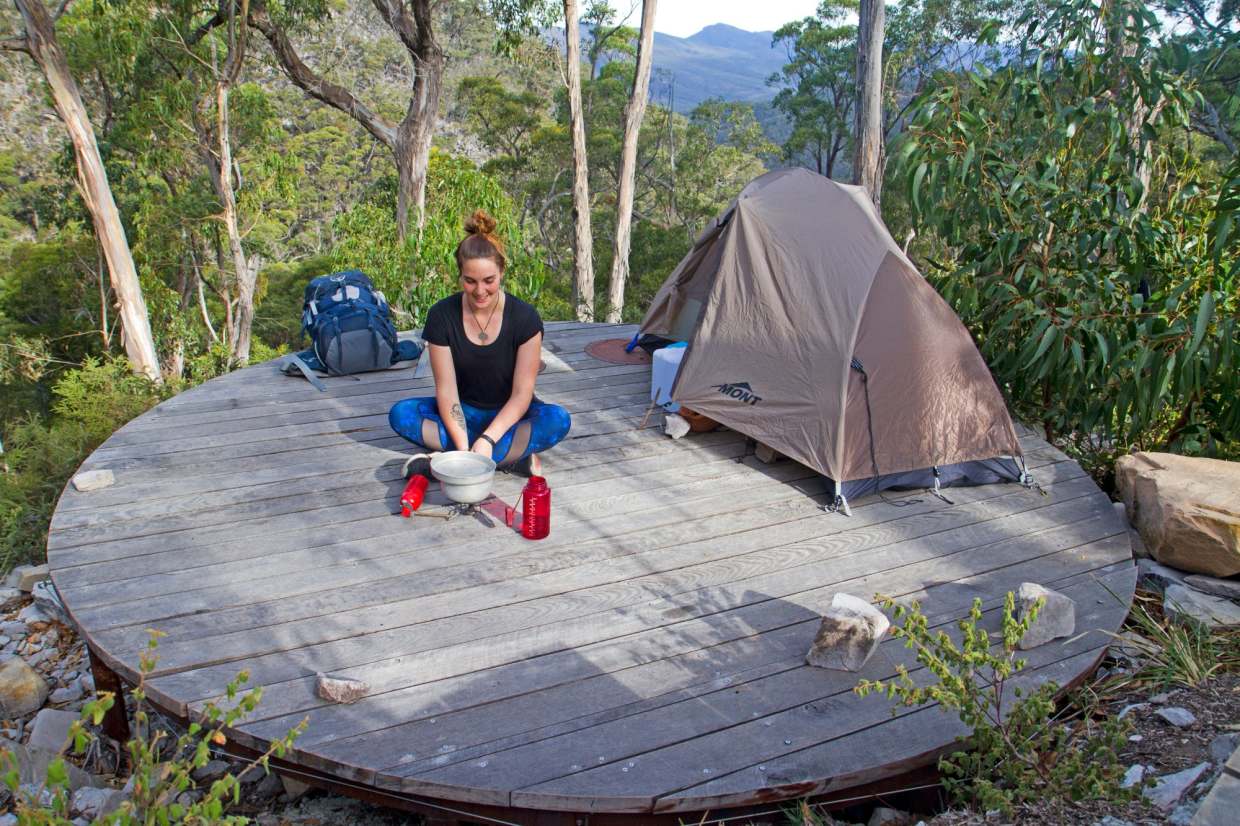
612	350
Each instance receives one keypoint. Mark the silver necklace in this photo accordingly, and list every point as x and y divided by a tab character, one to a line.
482	329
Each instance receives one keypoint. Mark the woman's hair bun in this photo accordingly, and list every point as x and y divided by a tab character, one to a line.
480	223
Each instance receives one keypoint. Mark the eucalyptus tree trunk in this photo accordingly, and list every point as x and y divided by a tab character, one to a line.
40	43
869	159
583	238
634	111
410	140
245	271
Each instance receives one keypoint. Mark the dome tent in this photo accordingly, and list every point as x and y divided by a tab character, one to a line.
809	330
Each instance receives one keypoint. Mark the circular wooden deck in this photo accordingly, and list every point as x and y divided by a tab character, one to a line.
648	657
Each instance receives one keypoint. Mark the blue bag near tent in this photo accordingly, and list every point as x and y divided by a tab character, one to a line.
350	328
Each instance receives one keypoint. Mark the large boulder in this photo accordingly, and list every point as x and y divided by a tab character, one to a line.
1186	509
22	689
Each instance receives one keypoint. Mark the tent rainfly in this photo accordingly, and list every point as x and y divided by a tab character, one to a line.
809	330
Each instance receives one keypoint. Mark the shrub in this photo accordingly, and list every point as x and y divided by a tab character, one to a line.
157	783
419	271
1019	753
1106	306
41	454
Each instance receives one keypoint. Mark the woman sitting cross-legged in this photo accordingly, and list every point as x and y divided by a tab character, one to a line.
484	352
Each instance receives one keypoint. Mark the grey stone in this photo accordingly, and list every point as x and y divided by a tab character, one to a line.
1056	619
1226	588
1158	576
8	820
22	689
33	614
1139	551
883	816
36	794
13	628
1161	699
1133	776
850	632
24	577
340	691
89	480
674	425
1183	604
294	789
1178	717
68	694
48	600
1131	647
87	681
51	729
9	595
91	802
32	766
210	772
1224	746
1220	806
1112	820
1182	815
1169	788
41	656
268	788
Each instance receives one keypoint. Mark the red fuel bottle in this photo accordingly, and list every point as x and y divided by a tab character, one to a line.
411	497
536	508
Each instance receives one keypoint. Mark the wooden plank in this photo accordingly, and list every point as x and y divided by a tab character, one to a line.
474	732
123	443
229	626
265	384
390	672
170	532
668	749
224	502
165	427
191	592
347	522
914	737
101	586
629	737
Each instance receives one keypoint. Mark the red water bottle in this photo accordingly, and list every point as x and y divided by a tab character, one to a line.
536	508
411	497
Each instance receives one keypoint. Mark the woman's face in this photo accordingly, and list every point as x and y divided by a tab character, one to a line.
481	281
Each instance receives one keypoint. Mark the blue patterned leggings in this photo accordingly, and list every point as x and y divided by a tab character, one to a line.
543	426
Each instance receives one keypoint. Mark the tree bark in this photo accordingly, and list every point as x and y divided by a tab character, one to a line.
93	185
634	111
410	140
870	156
583	239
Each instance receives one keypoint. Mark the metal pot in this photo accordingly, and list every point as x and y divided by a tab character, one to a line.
463	475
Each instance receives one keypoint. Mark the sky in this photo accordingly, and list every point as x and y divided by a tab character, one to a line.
685	17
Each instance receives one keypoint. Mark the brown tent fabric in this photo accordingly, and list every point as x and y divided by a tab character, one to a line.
781	293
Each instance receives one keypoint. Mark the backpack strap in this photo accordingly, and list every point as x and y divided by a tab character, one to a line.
307	372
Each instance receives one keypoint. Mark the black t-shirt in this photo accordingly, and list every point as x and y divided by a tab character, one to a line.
483	371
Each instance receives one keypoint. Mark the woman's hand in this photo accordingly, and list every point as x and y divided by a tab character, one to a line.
482	446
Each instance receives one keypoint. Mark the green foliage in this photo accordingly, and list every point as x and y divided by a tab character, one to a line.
159	781
1186	654
818	85
41	454
1034	178
1019	753
421	270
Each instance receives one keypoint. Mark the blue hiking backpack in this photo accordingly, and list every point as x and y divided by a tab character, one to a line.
350	328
